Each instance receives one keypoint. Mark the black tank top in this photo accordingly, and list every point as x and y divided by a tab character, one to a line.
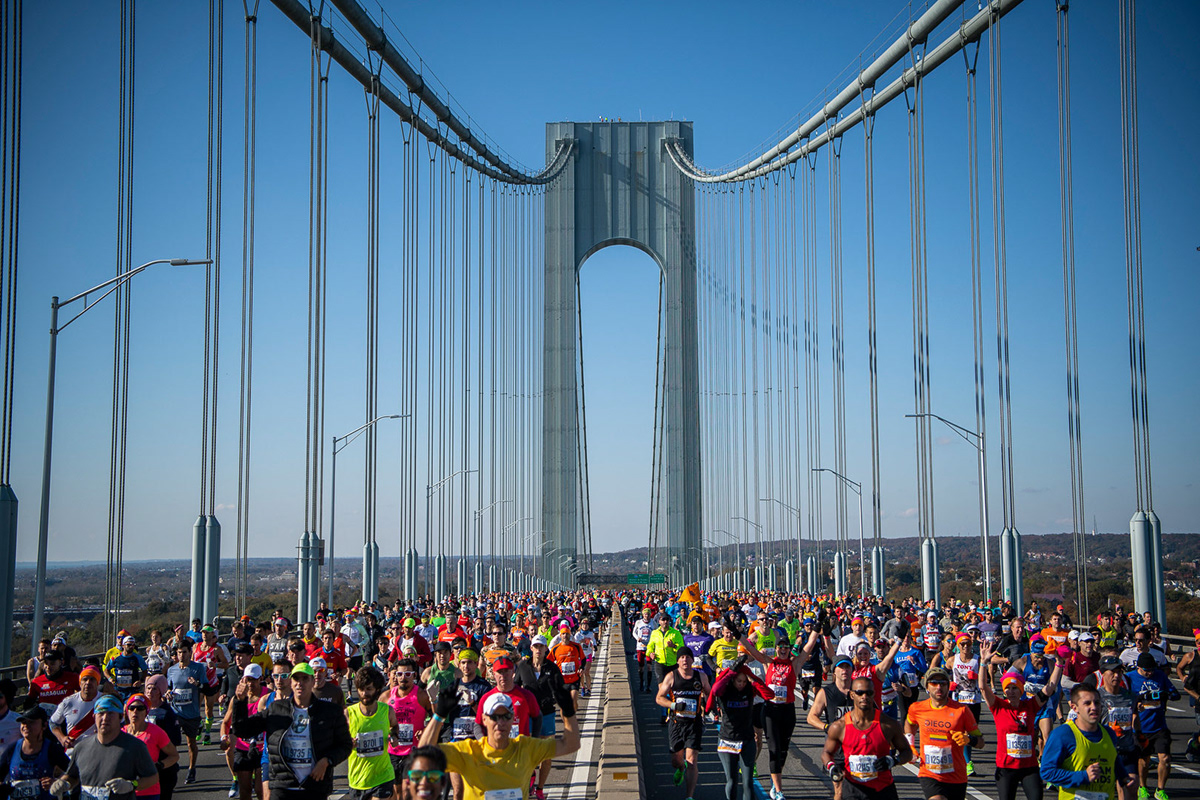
689	690
837	703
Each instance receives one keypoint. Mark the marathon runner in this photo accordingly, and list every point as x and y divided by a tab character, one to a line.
939	729
29	765
370	770
1151	687
858	749
185	680
1081	757
665	642
682	694
110	765
74	718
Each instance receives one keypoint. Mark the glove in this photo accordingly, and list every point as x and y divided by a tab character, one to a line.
447	703
741	662
1064	652
972	675
911	738
836	771
119	786
884	763
60	788
680	705
960	738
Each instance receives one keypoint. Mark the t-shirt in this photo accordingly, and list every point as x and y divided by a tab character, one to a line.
724	653
184	694
94	764
52	690
155	739
296	748
10	729
21	772
485	769
74	714
941	759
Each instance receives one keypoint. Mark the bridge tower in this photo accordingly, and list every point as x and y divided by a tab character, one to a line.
620	188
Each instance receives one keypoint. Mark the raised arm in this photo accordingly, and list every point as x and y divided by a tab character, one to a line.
810	647
881	669
985	673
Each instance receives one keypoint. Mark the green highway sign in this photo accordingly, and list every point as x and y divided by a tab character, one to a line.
645	579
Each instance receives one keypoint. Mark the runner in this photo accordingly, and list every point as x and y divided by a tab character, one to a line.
54	683
664	643
74	719
126	670
682	693
1120	715
411	708
1152	689
29	765
215	658
641	630
164	717
521	701
158	743
833	700
370	771
585	637
1080	757
1015	713
423	775
112	764
734	694
542	678
939	728
858	749
1035	668
242	756
185	679
566	653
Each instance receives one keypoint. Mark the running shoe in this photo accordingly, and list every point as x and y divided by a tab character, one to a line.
1143	793
678	777
539	793
1161	794
970	767
191	776
754	771
233	789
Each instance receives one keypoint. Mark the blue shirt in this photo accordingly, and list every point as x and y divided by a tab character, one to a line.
1061	744
184	695
1151	692
912	661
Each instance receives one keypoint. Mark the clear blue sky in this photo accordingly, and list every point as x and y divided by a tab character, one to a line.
741	75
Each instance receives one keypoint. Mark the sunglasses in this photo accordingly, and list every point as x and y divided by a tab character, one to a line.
862	692
408	673
418	775
137	708
278	676
502	717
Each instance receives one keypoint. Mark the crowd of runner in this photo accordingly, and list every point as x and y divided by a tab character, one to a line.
463	699
1080	709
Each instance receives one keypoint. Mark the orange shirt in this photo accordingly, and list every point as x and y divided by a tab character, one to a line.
940	758
568	655
1054	639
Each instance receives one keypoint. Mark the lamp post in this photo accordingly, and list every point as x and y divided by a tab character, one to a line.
371	575
479	541
737	542
758	567
857	489
1009	573
108	287
799	517
440	559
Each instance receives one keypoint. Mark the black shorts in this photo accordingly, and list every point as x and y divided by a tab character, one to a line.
397	763
951	791
380	792
356	663
685	734
189	727
1156	744
211	691
854	791
247	760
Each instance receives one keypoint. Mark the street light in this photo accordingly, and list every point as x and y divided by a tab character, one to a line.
108	287
976	440
737	541
857	488
345	442
799	517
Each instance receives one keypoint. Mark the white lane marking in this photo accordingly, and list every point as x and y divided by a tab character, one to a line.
587	730
1184	770
973	792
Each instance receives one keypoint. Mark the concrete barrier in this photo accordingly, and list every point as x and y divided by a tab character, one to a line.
619	775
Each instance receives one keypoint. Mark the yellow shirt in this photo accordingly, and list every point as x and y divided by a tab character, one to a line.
484	768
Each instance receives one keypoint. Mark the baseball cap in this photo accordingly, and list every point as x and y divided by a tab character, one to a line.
441	647
503	662
252	671
496	701
842	661
208	629
109	703
937	675
37	712
128	640
317	663
1074	634
1086	637
539	639
244	648
410	623
1037	647
1146	661
1109	663
303	668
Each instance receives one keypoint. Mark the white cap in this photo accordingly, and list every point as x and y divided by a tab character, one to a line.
1073	635
252	671
317	663
129	640
494	701
1085	637
539	639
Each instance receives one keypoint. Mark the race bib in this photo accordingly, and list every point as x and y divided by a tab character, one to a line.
370	743
464	728
94	793
183	696
780	692
689	708
1032	689
769	652
568	668
808	673
910	679
124	678
937	759
404	734
726	746
503	794
862	768
727	663
1019	745
25	790
967	695
1121	715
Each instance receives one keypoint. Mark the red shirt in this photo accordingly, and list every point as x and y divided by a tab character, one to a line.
779	675
1079	666
1015	727
334	659
525	708
860	749
52	690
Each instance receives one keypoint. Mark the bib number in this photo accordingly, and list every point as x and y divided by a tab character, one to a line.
689	708
862	768
1032	689
1121	716
370	743
404	734
1019	745
808	673
780	692
568	668
726	746
966	696
910	679
464	728
503	794
26	790
937	759
182	696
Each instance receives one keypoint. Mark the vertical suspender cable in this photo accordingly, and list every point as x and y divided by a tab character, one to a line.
10	198
216	145
837	348
872	330
1067	212
245	378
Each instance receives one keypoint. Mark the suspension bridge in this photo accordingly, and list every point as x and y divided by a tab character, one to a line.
471	332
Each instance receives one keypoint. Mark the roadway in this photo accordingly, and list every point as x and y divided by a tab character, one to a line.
803	777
